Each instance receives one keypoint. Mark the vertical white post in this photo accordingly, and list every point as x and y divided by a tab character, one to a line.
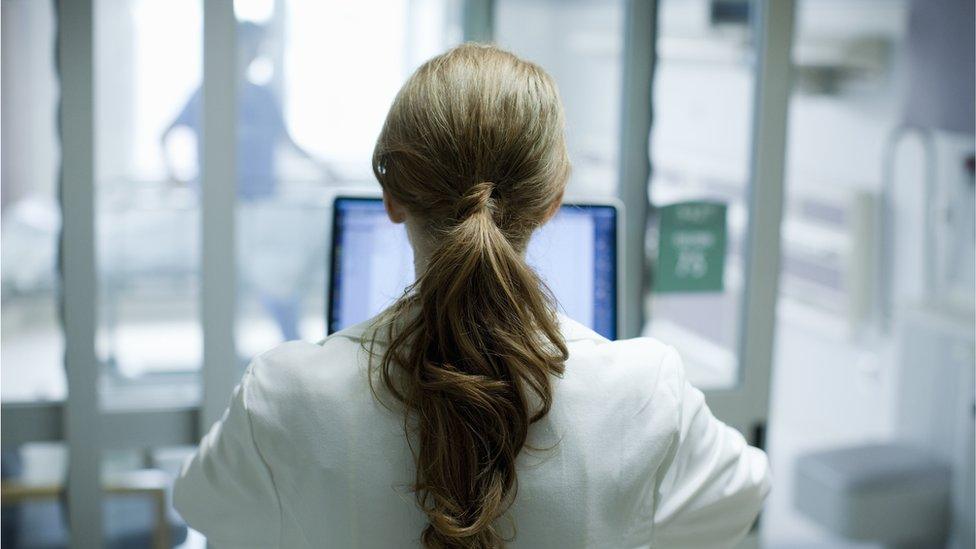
478	18
219	186
774	38
77	262
640	20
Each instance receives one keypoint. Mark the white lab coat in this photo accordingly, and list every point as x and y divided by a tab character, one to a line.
629	456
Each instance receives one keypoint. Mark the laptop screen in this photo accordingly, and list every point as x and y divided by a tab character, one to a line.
575	254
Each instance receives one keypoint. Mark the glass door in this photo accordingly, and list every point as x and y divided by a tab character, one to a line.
150	354
720	104
308	116
713	135
700	152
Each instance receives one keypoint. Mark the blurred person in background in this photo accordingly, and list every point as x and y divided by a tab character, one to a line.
261	130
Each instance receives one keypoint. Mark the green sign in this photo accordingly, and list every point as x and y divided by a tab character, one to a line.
691	248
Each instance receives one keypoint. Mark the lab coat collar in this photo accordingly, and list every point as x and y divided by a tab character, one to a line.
374	329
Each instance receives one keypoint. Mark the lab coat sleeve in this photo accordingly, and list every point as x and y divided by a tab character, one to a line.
715	484
226	491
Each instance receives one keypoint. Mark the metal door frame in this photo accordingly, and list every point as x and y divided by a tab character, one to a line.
746	405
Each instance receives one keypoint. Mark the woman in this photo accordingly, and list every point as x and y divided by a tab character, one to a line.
470	414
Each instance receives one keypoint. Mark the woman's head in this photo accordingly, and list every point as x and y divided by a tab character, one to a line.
475	128
473	157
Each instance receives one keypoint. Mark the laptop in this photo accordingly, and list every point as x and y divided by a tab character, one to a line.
576	254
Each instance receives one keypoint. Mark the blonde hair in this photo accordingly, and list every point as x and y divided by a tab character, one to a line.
473	148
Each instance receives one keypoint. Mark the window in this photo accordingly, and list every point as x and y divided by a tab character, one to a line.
317	81
32	346
148	58
703	89
579	43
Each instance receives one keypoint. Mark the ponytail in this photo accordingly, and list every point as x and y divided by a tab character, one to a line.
475	342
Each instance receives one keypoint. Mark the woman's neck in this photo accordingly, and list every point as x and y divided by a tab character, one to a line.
421	244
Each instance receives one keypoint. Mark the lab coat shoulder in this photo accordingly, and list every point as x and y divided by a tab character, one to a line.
304	393
298	369
709	485
713	483
632	373
229	489
226	490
